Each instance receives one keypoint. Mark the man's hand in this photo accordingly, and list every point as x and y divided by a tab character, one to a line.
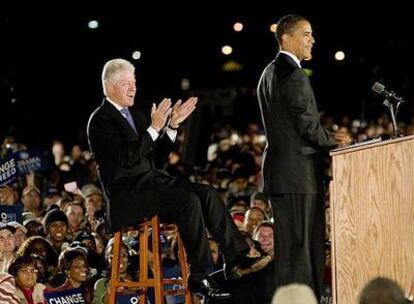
181	111
343	137
159	115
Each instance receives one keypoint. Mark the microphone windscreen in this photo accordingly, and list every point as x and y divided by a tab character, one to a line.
378	88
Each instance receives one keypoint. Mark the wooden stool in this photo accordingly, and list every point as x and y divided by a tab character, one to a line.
144	281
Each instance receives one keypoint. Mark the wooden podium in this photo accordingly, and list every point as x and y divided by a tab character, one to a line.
372	215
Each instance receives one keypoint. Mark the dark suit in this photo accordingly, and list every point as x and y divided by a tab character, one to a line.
292	170
136	190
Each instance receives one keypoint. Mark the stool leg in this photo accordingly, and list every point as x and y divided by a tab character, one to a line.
159	299
116	255
143	258
182	259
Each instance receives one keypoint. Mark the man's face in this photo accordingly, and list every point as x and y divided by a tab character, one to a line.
7	241
122	90
58	231
300	41
265	238
19	237
75	215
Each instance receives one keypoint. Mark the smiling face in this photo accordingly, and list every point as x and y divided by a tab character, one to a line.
122	88
299	41
58	231
78	271
265	238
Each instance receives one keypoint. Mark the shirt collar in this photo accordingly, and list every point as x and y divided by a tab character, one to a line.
117	106
292	56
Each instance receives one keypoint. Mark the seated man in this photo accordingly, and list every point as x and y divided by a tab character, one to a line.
126	147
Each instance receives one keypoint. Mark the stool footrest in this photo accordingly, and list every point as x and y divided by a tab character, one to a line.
148	283
172	281
177	292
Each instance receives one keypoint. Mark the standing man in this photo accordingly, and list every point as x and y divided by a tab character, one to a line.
292	168
126	147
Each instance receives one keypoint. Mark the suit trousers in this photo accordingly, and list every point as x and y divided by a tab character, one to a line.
195	207
299	239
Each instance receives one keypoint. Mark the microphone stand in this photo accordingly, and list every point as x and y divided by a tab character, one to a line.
394	114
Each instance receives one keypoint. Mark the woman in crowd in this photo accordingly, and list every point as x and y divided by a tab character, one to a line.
73	262
39	248
25	272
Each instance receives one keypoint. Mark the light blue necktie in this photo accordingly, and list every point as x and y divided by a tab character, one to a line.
127	115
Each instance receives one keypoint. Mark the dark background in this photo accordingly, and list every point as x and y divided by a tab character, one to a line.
51	61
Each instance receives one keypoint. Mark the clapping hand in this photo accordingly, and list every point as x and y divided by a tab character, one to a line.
160	114
181	111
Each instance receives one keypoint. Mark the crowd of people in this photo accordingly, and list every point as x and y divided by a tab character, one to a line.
62	241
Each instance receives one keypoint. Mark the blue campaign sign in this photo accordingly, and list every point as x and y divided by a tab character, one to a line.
11	213
32	160
8	170
128	298
70	296
20	163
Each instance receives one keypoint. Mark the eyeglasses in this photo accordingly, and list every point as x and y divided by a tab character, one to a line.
29	271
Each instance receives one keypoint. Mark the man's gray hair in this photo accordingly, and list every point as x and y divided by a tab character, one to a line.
294	294
112	68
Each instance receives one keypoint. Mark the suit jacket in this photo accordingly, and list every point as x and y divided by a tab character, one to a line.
295	137
126	164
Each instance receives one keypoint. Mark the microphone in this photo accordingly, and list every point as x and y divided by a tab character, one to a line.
390	95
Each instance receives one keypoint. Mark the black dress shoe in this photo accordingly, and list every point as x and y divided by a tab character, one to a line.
244	266
205	287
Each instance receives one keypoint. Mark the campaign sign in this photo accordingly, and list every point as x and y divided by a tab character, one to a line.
8	170
11	213
128	298
70	296
20	163
28	161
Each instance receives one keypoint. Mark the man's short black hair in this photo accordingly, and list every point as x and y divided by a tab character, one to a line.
287	25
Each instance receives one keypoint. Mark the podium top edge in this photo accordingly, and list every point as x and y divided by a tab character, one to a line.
376	142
